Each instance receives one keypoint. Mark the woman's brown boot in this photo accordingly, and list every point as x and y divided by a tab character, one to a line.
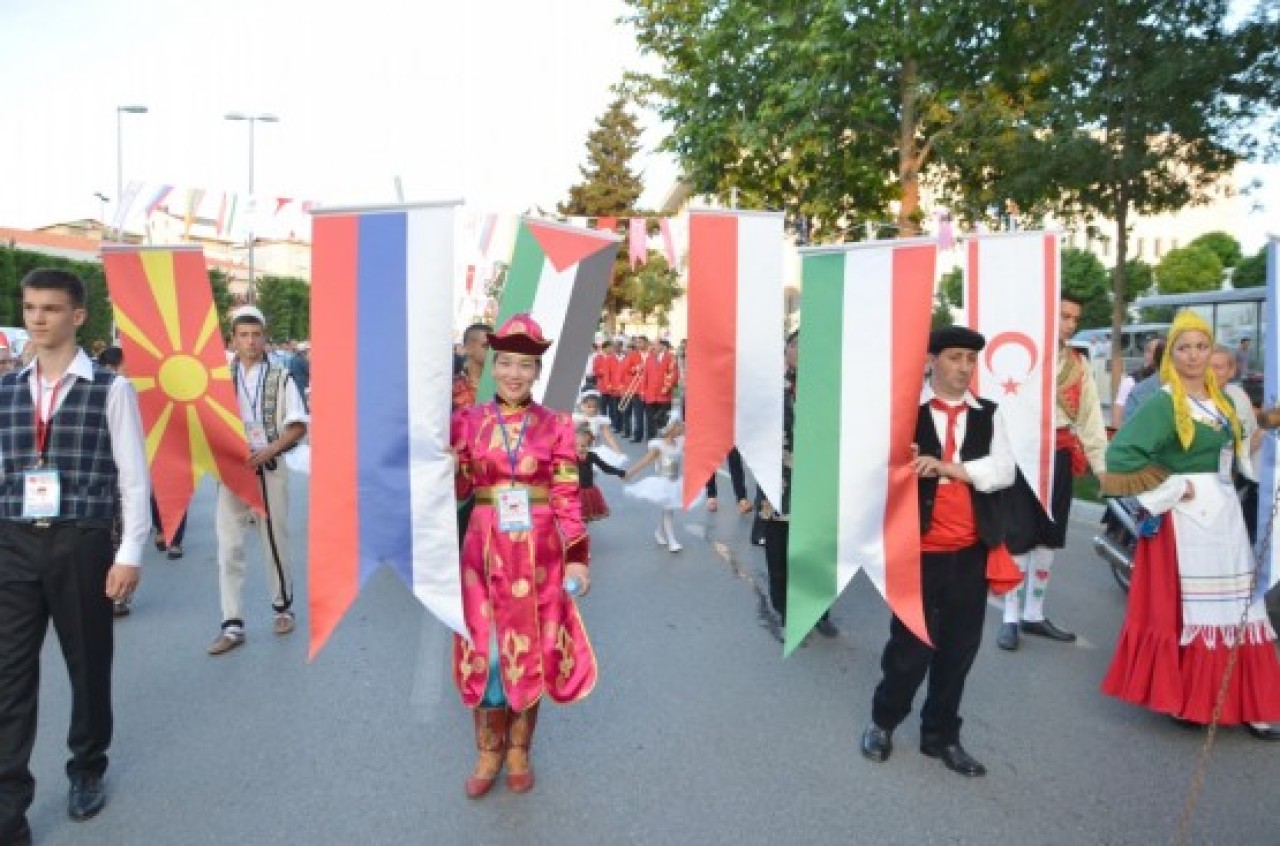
491	744
519	739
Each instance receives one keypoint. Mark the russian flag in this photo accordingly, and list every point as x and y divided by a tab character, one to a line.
382	480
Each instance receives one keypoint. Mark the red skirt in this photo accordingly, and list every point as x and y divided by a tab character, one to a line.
593	505
1150	668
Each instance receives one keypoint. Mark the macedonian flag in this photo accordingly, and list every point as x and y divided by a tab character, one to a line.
175	357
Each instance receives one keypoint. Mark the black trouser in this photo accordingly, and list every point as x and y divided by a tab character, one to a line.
1026	522
155	524
656	415
954	586
776	535
609	407
56	573
637	411
736	476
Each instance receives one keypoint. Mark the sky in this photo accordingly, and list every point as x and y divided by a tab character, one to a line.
485	100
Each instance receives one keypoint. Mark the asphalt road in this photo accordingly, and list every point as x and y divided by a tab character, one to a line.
698	733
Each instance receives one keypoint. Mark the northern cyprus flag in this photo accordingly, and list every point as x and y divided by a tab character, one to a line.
559	274
1011	295
734	380
866	311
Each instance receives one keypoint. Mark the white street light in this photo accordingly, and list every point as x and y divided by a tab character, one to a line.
251	119
120	112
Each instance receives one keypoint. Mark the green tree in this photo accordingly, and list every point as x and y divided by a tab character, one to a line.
610	188
222	299
1139	277
1150	105
1085	277
653	287
942	316
1251	272
1189	269
286	304
10	314
1223	245
951	287
833	108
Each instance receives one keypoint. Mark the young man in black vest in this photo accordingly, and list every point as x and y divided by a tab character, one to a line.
275	419
71	442
963	459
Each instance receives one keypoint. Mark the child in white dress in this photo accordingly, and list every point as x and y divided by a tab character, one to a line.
666	486
605	444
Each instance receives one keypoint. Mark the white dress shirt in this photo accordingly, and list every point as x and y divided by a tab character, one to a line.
128	448
249	391
993	471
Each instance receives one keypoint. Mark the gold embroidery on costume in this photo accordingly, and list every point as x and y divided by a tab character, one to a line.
520	588
564	644
513	646
566	472
467	666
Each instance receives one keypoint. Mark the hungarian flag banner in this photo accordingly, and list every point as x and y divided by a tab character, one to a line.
1011	296
560	275
175	358
1269	460
381	475
734	377
866	310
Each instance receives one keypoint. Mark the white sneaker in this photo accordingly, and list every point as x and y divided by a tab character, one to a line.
660	537
674	546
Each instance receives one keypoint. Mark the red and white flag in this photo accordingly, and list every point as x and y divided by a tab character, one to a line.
1011	295
735	355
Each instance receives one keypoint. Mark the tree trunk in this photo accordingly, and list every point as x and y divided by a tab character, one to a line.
908	151
1119	308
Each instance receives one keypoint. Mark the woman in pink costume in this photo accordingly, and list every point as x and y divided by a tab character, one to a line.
525	538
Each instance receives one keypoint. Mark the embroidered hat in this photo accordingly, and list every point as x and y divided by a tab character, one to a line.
248	312
520	334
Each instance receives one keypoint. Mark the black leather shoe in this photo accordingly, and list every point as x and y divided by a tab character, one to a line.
877	743
87	796
1043	628
954	758
826	628
1269	733
1007	639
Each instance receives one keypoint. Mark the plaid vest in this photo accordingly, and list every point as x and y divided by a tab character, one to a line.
79	446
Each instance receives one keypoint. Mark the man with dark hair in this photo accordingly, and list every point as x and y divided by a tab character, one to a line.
1034	533
963	461
71	445
275	419
658	385
637	361
475	348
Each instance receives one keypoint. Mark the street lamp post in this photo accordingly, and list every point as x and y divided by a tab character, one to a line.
120	112
251	120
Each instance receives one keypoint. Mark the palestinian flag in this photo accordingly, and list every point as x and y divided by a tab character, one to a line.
866	310
734	381
559	274
176	360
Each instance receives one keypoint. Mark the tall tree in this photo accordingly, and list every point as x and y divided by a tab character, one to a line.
1146	113
611	188
1189	269
831	109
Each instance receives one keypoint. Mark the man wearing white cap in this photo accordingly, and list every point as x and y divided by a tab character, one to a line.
275	419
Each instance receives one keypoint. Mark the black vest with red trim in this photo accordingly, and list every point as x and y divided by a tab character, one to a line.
988	508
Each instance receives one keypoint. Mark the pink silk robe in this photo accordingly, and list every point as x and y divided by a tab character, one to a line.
515	579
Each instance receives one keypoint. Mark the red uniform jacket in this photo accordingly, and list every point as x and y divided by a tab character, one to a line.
661	375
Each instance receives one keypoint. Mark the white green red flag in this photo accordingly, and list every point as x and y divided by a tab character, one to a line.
560	275
1011	297
865	312
733	393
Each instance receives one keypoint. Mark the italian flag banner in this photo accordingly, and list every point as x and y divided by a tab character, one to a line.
734	379
559	274
865	311
1011	296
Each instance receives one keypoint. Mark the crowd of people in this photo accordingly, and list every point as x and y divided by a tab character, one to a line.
75	489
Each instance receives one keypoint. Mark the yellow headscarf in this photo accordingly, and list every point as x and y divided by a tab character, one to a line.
1189	321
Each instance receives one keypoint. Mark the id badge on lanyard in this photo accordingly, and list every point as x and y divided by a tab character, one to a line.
1226	462
514	514
41	485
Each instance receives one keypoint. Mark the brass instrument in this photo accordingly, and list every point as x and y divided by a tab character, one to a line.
630	392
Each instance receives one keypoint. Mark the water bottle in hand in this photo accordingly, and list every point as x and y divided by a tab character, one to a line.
573	586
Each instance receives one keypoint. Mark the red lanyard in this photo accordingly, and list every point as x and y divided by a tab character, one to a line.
43	426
